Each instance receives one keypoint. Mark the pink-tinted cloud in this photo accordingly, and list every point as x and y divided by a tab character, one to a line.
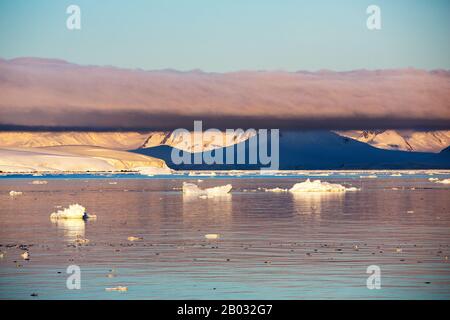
52	93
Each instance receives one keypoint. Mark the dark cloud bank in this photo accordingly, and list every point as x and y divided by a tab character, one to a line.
42	94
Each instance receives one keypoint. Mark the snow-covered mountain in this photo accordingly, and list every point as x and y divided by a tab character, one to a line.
316	150
195	142
188	141
298	149
406	140
111	140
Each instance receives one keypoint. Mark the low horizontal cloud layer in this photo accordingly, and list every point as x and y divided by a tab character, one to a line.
38	94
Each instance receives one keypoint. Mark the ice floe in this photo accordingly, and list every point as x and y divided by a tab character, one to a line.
25	255
13	193
119	288
38	182
445	181
74	211
203	174
193	189
153	171
133	238
276	190
319	186
212	236
369	177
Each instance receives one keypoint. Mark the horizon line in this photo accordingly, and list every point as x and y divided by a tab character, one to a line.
200	70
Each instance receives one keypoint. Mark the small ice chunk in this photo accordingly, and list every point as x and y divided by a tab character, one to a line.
132	238
152	171
396	175
212	236
13	193
193	189
74	211
39	182
368	177
433	179
119	288
276	190
445	181
317	186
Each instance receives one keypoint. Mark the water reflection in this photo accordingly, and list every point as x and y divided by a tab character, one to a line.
71	228
204	211
317	202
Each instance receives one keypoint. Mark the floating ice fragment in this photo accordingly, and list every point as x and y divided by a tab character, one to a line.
445	181
25	255
368	177
132	238
119	288
74	211
151	171
212	236
38	182
13	193
317	186
276	190
193	189
396	175
433	179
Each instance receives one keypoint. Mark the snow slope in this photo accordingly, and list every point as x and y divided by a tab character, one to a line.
73	158
406	140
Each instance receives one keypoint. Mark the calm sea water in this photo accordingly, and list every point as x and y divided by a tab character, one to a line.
271	245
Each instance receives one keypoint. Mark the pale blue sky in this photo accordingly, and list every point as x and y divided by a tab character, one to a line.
229	35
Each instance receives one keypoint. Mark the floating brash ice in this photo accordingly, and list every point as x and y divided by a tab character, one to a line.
193	189
319	186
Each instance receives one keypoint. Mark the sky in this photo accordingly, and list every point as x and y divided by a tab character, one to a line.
231	35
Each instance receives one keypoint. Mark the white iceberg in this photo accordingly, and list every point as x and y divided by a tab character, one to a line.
276	190
193	189
152	171
369	177
445	181
74	211
13	193
318	186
